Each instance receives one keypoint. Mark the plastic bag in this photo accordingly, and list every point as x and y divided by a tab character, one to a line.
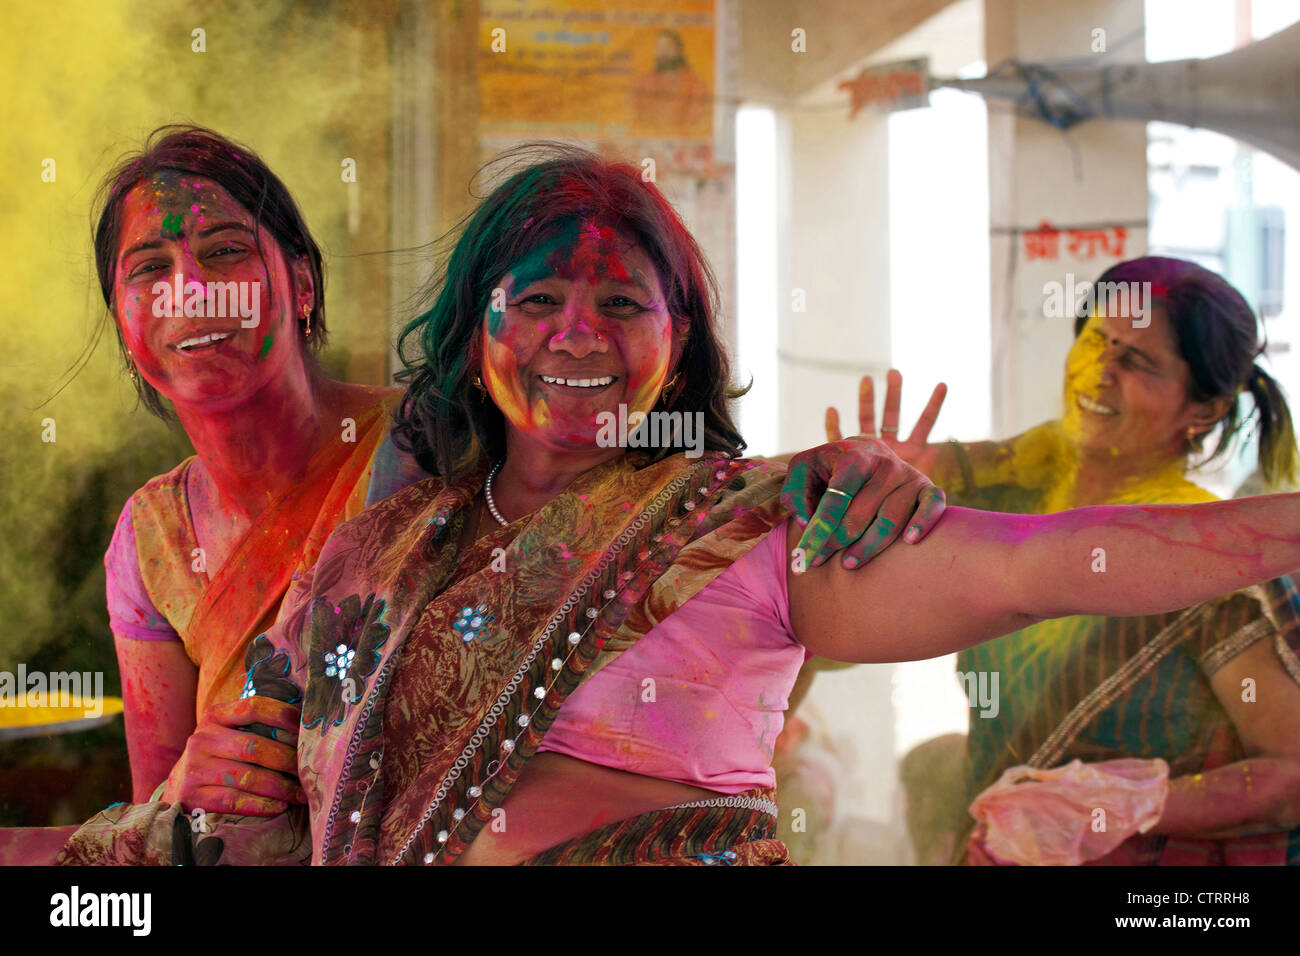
1072	814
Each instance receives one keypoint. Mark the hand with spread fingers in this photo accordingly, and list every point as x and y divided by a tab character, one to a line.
229	768
915	450
856	496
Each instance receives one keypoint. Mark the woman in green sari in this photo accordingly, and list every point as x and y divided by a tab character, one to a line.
1212	689
571	649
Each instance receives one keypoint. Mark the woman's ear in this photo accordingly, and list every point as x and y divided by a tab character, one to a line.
304	286
1207	414
681	335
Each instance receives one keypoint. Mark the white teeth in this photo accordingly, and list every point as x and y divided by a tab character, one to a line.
580	382
1092	406
203	340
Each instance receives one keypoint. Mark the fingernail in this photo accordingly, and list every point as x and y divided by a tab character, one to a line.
850	562
803	522
913	535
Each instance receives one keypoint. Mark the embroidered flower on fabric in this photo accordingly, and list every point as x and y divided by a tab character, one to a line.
472	624
725	858
267	674
345	648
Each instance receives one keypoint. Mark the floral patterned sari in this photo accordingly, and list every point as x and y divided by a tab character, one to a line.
429	673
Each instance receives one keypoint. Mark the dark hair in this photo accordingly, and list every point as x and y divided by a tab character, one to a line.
1218	338
243	174
443	421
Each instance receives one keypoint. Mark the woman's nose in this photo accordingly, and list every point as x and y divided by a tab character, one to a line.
578	335
186	263
1109	362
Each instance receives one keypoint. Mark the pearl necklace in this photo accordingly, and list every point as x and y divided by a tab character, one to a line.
487	494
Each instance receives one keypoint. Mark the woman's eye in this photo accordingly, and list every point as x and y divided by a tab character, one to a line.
534	302
144	269
226	249
623	303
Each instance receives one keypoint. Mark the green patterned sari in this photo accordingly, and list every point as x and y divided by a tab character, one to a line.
1104	688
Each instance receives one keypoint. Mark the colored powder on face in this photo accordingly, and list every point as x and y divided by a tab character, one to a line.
596	255
1083	370
266	346
171	225
537	264
495	318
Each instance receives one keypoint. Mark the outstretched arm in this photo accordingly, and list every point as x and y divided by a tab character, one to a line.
980	574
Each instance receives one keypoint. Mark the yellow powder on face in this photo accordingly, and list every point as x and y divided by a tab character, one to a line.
1083	368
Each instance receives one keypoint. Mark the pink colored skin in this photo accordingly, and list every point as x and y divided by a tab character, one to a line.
224	396
580	321
254	415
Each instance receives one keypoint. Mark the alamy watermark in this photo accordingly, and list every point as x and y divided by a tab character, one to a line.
657	429
1121	300
82	690
194	299
981	689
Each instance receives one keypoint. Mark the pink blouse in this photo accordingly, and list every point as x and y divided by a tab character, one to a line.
701	698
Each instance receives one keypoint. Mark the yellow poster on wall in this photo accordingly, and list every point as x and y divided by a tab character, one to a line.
637	70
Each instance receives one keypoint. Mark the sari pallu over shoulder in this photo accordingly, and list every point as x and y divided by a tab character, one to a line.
217	619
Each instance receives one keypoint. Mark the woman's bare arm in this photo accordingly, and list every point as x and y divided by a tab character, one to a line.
1262	792
980	574
159	687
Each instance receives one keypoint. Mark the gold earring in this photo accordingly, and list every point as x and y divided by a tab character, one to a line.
306	314
1191	433
130	370
477	382
672	381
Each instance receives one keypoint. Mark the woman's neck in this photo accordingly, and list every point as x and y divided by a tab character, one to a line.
533	475
253	451
1103	476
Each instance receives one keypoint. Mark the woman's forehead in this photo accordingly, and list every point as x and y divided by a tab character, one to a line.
586	249
172	187
1155	337
172	204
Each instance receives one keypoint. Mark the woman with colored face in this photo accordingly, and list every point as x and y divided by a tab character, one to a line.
571	649
1144	390
219	312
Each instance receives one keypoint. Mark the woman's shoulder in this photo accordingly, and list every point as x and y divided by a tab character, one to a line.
398	509
352	398
169	487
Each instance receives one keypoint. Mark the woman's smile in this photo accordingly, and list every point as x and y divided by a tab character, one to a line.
585	384
1095	408
203	340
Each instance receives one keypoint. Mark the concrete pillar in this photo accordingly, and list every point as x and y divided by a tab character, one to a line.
1095	173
